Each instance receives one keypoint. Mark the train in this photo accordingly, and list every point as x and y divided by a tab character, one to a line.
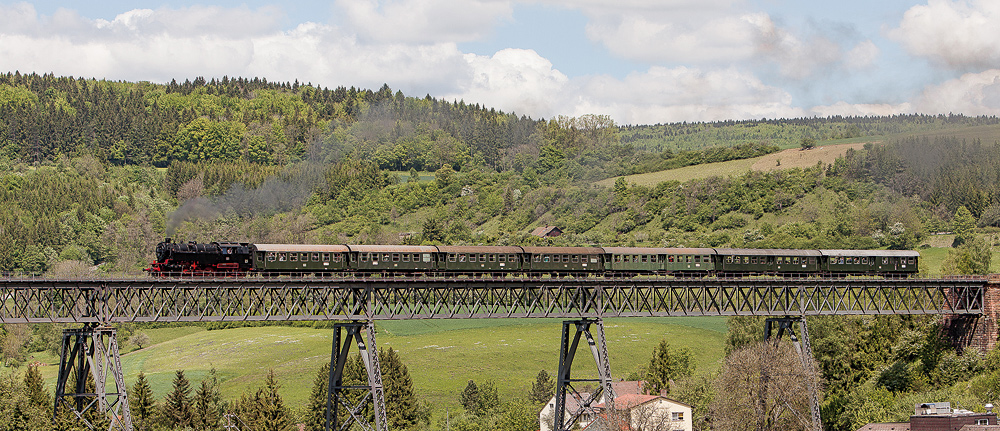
240	258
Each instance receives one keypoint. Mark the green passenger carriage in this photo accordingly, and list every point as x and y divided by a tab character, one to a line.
299	258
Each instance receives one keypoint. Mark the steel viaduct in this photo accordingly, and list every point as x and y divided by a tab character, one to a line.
970	305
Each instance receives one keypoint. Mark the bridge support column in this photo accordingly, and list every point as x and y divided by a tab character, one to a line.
805	355
88	356
979	332
336	395
564	382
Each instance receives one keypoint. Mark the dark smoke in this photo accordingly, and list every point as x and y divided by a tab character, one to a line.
286	192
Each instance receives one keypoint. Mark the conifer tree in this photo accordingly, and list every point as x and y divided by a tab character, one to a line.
470	398
177	405
402	408
273	413
316	411
35	389
665	365
207	403
543	388
142	403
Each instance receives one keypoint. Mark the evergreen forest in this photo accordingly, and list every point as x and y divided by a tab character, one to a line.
94	173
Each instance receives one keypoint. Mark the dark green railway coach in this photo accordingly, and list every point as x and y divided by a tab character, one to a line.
640	260
870	261
766	261
563	259
299	258
393	258
479	258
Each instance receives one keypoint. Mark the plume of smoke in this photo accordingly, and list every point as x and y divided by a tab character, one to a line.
276	194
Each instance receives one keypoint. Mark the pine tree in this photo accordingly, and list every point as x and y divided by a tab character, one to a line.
177	405
316	411
206	404
665	365
402	408
543	388
470	398
35	388
142	404
273	413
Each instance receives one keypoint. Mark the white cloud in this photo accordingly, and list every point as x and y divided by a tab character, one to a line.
963	35
513	80
862	56
662	95
423	21
970	94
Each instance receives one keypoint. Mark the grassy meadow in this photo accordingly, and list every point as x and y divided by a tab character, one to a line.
442	355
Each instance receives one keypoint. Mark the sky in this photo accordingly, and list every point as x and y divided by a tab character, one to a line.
638	61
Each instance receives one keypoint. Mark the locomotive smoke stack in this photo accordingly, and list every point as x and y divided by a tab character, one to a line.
167	240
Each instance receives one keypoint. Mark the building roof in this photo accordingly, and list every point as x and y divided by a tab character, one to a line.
545	230
628	401
891	426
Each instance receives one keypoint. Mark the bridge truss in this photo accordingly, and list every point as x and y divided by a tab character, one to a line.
99	303
297	299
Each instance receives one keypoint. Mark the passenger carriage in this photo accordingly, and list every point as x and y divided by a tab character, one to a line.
644	260
393	258
889	262
479	259
299	258
766	261
563	259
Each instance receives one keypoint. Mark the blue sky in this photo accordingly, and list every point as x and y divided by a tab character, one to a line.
639	61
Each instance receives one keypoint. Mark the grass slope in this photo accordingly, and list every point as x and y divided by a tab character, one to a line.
442	355
790	158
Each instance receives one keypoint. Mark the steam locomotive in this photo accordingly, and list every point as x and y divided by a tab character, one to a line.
238	258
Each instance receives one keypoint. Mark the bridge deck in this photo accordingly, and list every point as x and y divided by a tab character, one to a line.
395	298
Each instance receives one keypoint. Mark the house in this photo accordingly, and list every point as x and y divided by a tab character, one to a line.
638	412
645	412
940	417
547	231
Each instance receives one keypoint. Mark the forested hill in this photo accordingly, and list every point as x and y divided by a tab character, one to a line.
43	117
788	133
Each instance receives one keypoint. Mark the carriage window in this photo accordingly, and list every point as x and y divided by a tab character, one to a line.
753	260
271	256
885	260
493	258
503	258
545	258
593	259
536	258
315	257
697	259
395	257
576	259
795	260
294	257
326	257
512	258
618	258
338	257
652	258
451	257
746	260
645	258
461	257
282	257
670	258
864	260
363	257
304	257
385	257
406	257
729	259
911	261
812	260
482	258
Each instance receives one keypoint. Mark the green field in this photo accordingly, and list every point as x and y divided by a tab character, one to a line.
442	355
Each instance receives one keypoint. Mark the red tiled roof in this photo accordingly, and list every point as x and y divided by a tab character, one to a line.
891	426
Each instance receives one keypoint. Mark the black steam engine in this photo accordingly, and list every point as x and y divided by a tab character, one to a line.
225	258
